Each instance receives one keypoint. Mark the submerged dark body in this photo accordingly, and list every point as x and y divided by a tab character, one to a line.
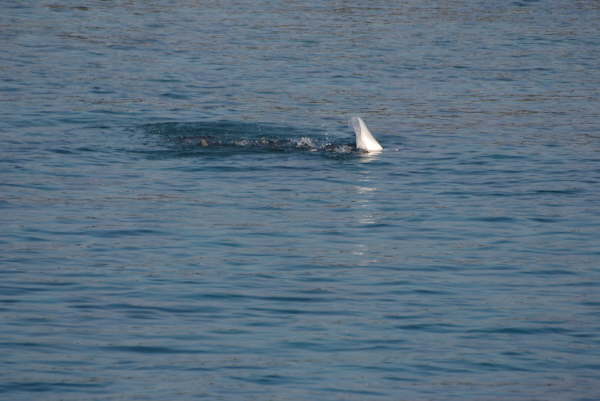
274	144
248	136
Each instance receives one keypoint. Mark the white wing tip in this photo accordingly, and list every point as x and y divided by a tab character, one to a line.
365	141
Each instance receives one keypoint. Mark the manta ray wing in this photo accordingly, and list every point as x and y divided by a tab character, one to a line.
364	139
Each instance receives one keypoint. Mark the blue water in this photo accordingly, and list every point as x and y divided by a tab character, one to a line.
462	263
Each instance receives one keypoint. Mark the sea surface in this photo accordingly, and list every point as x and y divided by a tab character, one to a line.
182	217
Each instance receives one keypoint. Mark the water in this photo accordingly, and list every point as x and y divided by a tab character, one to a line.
462	263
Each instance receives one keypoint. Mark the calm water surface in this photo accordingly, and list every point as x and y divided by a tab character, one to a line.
462	263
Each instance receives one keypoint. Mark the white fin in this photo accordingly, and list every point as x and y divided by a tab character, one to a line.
364	139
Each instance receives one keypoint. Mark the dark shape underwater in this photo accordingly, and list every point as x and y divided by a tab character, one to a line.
242	136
